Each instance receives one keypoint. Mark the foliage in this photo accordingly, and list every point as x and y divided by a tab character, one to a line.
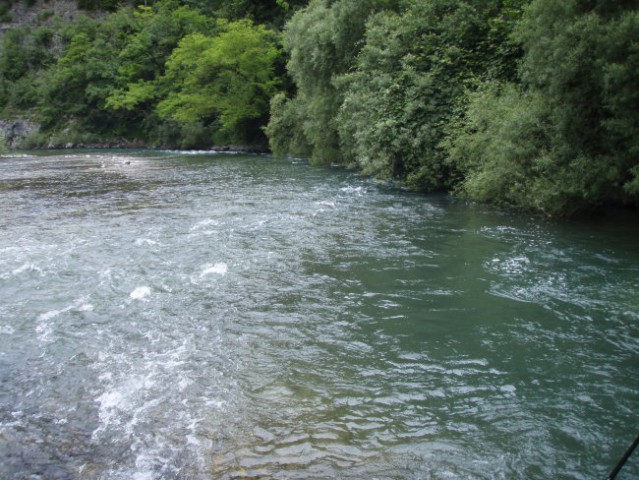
106	5
73	91
530	104
228	77
323	41
526	103
135	73
410	77
156	32
284	132
501	145
3	144
23	52
377	81
579	76
269	12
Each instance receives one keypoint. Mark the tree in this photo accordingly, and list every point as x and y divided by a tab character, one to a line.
323	41
156	32
3	144
74	90
267	12
580	71
228	78
410	77
24	52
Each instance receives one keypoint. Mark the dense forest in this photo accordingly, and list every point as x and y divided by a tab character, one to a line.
531	104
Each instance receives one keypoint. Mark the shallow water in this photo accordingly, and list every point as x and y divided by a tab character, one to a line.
174	316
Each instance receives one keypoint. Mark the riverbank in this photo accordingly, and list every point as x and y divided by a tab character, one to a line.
24	134
138	144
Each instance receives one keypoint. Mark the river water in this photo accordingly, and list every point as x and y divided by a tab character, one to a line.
197	316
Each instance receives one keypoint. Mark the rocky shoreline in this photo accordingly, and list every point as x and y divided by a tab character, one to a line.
141	145
17	130
14	131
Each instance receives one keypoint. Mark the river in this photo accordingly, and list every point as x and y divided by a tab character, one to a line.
166	315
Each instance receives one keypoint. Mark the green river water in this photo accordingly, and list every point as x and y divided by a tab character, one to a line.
166	315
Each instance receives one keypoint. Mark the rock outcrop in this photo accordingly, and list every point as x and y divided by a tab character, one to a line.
15	130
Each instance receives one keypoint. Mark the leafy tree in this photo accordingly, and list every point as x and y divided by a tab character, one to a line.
502	147
198	74
108	77
3	144
410	76
229	77
378	81
23	53
323	41
156	32
268	12
580	69
74	90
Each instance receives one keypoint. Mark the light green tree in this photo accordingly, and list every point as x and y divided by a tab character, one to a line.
229	77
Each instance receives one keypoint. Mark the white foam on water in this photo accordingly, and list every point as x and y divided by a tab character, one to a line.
202	152
145	475
355	190
203	224
508	389
144	241
44	326
27	267
124	400
142	404
7	330
140	293
45	321
326	203
219	268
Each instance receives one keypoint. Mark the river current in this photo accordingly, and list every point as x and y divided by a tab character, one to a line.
166	315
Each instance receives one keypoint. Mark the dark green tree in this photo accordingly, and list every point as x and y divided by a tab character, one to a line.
73	92
24	52
411	75
323	41
578	92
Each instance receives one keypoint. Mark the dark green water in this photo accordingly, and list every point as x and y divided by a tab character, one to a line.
171	316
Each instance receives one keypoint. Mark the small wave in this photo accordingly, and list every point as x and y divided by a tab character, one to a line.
27	267
219	268
120	405
6	330
509	390
145	241
44	328
353	190
140	292
326	203
205	152
44	324
510	266
204	223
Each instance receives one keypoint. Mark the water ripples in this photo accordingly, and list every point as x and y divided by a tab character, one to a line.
206	316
